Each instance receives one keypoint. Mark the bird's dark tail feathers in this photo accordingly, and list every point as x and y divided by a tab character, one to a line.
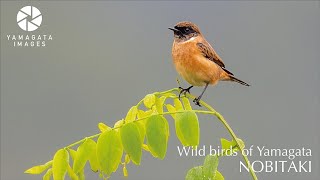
232	78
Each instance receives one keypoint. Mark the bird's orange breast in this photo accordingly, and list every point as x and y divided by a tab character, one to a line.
192	65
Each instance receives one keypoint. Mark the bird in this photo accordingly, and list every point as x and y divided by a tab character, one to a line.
196	60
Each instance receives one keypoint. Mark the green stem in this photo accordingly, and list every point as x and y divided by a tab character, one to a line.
211	111
224	122
82	140
159	93
161	114
170	90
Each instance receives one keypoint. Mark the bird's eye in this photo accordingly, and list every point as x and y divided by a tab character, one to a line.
187	29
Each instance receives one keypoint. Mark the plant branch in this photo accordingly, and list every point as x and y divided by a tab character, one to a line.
227	126
161	114
211	111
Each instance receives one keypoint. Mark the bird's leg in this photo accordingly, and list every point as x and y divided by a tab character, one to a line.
197	100
184	91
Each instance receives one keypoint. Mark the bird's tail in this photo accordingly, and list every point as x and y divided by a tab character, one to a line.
232	78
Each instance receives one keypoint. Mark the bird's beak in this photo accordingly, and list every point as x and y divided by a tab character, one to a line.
174	30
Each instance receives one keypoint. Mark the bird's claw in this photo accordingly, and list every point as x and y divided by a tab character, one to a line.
197	101
184	91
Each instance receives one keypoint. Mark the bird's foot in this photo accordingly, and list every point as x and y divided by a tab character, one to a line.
197	101
184	91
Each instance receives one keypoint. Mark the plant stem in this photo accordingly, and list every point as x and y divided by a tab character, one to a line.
82	140
224	122
161	114
210	111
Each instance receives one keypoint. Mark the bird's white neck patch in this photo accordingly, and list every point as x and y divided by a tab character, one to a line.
191	39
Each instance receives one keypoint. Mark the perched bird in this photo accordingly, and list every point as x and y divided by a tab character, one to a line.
196	61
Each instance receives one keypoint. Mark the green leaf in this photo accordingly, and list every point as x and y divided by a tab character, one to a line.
39	169
171	109
125	171
118	124
210	166
93	159
187	128
230	147
149	100
159	103
178	105
145	147
84	151
131	141
127	159
142	130
73	153
47	175
109	151
154	110
103	127
226	144
81	175
186	104
218	176
71	173
143	114
157	135
132	114
207	171
141	124
195	174
60	164
167	128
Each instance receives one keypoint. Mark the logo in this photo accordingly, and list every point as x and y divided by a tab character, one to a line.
29	18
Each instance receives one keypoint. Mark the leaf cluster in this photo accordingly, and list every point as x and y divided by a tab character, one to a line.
207	171
144	128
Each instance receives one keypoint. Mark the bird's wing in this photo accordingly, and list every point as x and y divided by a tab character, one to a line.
209	53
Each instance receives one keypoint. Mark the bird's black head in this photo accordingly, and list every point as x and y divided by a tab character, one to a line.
185	30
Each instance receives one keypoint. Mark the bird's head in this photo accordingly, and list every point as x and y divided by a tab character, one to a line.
184	31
